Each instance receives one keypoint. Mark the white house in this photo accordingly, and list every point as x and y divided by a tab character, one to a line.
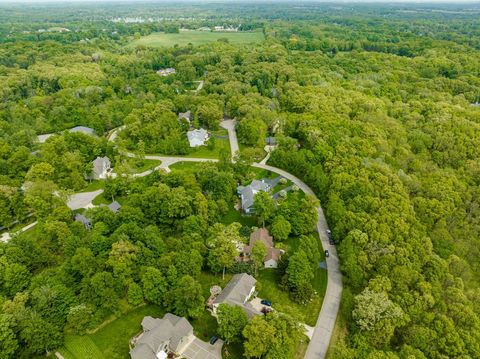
101	167
167	72
247	194
197	138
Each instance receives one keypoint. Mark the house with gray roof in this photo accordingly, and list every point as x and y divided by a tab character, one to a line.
83	129
101	167
167	72
114	206
87	222
184	116
198	137
238	291
247	193
171	334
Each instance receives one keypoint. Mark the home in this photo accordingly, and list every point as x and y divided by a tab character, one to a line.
271	141
160	337
273	254
87	223
114	206
83	129
184	116
101	167
247	193
167	72
197	138
238	291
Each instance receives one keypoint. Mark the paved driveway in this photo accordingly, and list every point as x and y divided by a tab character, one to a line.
229	125
198	349
82	200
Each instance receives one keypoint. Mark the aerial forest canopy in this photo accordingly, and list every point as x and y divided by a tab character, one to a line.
375	107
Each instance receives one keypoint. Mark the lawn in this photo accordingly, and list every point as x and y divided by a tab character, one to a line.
160	39
235	216
147	165
93	186
184	166
111	341
270	289
210	151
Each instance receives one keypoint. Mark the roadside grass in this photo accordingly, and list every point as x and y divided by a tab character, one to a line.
184	166
146	165
100	199
112	340
160	39
93	186
340	331
32	233
301	348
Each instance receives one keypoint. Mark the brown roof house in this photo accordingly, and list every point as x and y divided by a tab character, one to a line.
273	254
171	334
238	291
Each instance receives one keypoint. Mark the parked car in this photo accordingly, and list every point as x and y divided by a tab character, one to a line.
213	339
266	302
327	253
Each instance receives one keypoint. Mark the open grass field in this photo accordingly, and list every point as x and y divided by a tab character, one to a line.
160	39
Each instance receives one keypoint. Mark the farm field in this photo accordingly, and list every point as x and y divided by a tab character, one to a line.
160	39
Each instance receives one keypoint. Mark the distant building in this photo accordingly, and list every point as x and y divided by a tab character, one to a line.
247	194
218	28
184	116
271	141
114	206
167	72
197	138
44	138
273	254
83	129
101	167
238	291
84	220
171	334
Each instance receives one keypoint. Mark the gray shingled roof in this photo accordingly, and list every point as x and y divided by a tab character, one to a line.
83	129
237	290
247	193
170	329
114	206
99	164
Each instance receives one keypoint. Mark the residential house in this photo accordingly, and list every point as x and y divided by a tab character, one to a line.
247	194
114	206
171	334
101	167
44	138
83	129
184	116
238	291
167	72
273	254
197	138
271	141
84	220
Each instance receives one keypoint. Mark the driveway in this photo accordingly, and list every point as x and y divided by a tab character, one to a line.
198	349
82	200
229	125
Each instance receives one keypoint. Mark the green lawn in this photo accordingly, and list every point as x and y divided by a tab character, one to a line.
270	289
93	186
160	39
100	199
235	216
147	165
111	341
184	166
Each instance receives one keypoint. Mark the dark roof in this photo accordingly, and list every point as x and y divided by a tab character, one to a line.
114	206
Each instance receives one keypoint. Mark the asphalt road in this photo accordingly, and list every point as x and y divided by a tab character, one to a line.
318	346
229	125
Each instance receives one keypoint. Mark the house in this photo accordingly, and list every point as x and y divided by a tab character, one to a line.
44	138
247	193
184	116
101	167
271	141
167	72
273	254
197	138
84	220
171	334
83	129
238	291
114	206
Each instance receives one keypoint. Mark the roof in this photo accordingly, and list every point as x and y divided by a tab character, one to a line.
82	219
271	140
157	332
45	137
197	137
184	115
237	290
100	163
248	193
262	235
83	129
114	206
273	253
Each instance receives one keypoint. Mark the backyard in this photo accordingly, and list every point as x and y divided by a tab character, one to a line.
185	37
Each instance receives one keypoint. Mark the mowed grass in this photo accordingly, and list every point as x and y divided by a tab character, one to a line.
160	39
112	340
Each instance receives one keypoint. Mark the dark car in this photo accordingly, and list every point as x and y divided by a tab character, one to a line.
327	253
266	302
213	339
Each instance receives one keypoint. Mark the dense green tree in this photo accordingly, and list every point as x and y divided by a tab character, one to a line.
231	322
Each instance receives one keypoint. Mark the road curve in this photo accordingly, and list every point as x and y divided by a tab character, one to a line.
318	345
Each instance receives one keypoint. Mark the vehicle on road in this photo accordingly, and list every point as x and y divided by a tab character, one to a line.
266	302
327	253
213	339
